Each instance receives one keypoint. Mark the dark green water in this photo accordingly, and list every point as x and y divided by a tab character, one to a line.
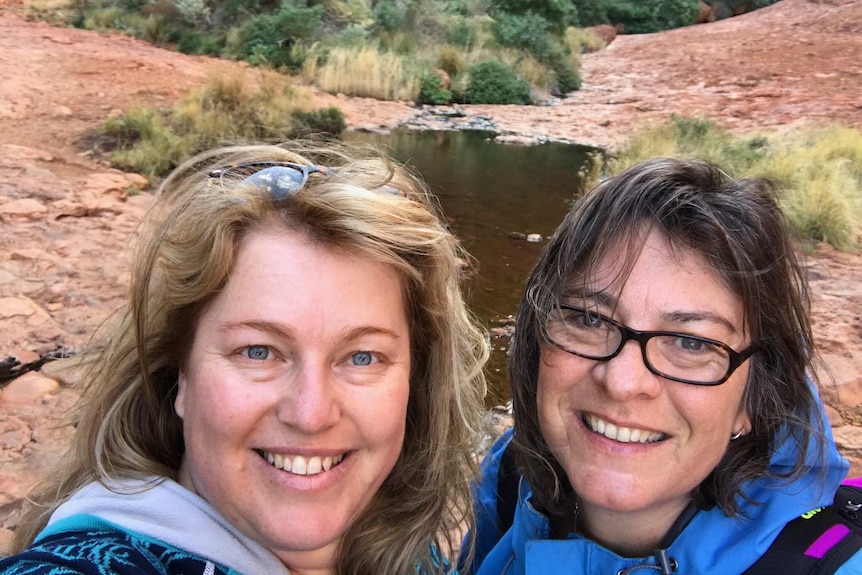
488	190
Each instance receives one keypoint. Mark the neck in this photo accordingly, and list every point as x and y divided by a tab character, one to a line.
629	533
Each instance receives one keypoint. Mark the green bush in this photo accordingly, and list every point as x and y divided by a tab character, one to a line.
527	32
591	12
328	121
461	34
431	92
191	42
270	38
389	16
558	13
645	16
567	78
493	82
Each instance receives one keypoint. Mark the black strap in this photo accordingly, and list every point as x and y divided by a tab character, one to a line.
787	555
507	490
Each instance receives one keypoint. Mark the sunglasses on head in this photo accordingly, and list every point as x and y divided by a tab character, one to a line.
281	179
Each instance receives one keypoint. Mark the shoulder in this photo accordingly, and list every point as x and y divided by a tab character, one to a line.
103	549
485	501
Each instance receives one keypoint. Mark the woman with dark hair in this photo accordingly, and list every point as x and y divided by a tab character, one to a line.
293	387
666	414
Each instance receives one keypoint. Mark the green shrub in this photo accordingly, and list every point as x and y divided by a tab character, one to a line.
190	42
493	82
327	121
431	91
527	32
227	109
591	12
645	16
270	38
567	76
145	143
558	13
461	34
389	16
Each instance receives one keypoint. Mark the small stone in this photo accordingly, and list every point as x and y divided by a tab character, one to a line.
535	238
27	389
517	236
61	112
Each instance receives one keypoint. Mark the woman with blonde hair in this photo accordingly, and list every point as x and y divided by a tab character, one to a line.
294	384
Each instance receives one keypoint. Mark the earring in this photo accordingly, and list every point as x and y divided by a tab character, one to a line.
738	434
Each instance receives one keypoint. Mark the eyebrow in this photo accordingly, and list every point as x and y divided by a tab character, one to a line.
605	299
281	331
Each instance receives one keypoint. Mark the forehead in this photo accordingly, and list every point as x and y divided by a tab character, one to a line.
652	272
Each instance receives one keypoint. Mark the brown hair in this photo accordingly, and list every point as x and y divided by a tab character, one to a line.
126	423
739	229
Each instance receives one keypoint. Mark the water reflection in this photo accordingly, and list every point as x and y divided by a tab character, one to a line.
488	190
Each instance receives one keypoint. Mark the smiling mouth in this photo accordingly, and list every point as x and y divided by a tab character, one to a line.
619	433
300	465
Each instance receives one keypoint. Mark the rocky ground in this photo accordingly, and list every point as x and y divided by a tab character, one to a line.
66	217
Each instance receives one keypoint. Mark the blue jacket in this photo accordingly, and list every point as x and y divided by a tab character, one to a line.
711	544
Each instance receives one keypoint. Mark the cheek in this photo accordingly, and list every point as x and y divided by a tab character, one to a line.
382	419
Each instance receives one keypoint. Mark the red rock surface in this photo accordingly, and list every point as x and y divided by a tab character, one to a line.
65	221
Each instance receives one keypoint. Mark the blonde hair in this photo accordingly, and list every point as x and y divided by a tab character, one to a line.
126	424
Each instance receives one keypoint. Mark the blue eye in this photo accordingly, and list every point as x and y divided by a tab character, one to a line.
260	352
691	344
362	358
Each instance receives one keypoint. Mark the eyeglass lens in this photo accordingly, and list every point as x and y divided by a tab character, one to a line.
678	356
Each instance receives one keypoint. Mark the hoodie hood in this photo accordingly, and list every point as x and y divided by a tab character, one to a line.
164	510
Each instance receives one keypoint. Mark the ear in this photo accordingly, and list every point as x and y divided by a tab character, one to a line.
179	402
742	421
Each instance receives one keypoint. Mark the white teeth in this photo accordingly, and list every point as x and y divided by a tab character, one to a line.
299	465
314	466
621	434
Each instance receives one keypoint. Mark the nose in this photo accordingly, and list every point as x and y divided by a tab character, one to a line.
309	400
626	377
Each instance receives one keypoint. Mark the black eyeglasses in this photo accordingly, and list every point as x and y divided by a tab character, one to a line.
281	179
675	356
